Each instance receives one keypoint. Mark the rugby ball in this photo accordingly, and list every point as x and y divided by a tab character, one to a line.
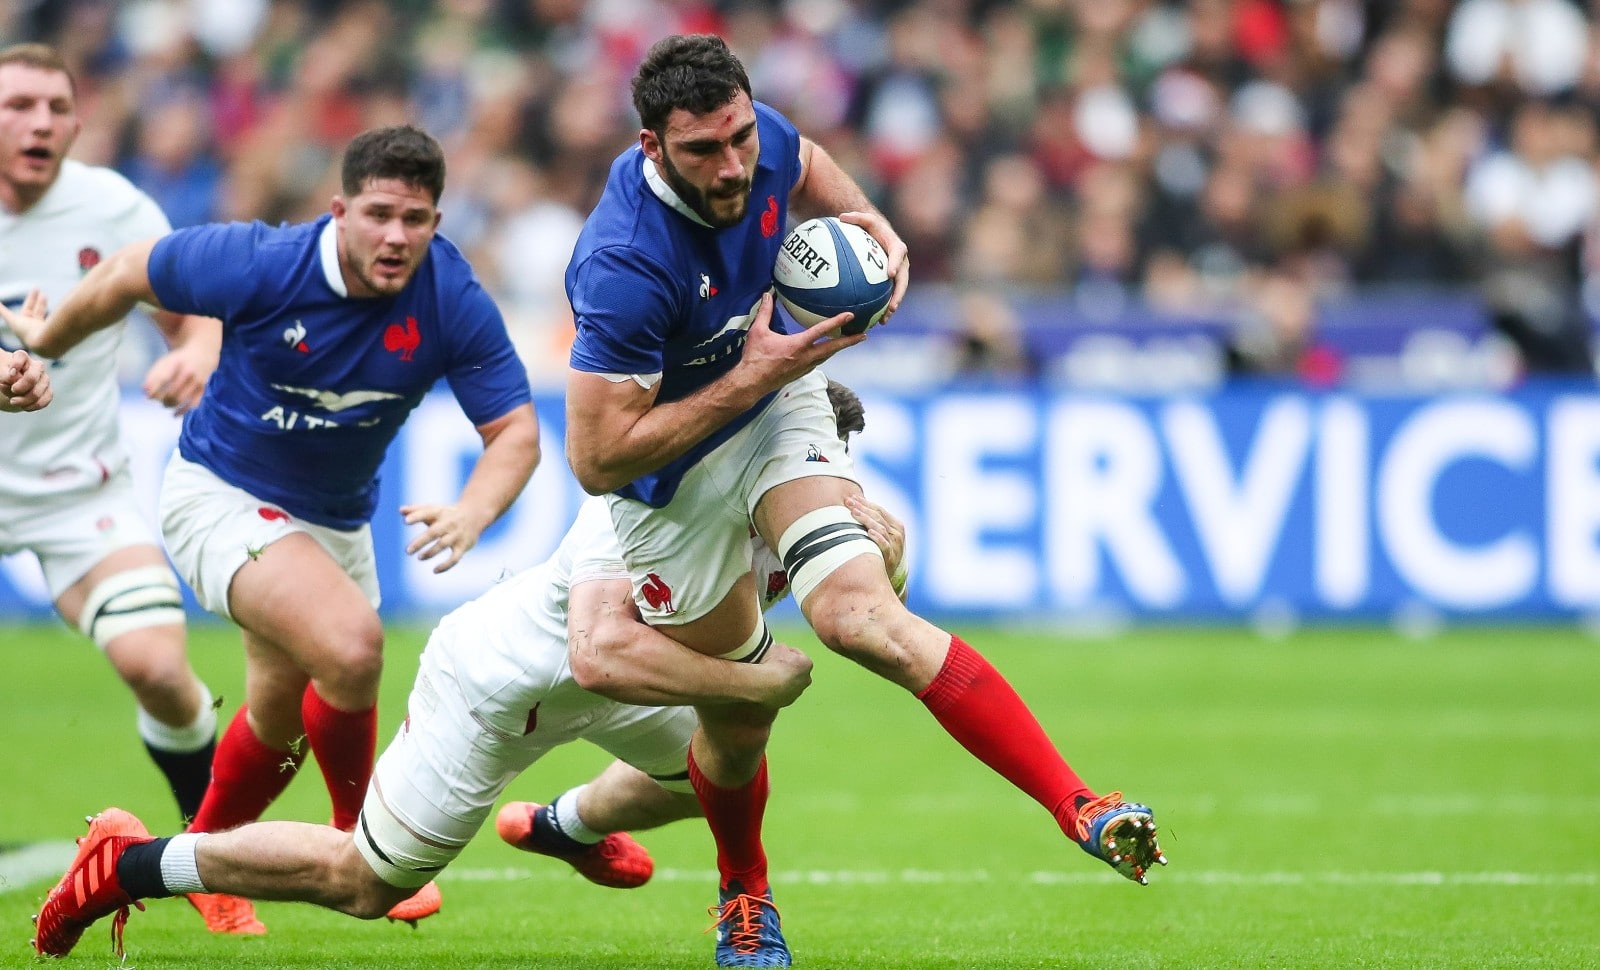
827	267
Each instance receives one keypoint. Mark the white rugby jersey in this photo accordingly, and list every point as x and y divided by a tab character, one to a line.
72	445
508	647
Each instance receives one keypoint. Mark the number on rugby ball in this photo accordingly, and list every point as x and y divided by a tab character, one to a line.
827	267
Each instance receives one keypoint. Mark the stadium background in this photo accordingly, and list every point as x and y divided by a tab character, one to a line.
1225	313
1221	310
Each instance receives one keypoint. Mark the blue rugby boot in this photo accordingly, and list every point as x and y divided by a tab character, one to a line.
748	931
1120	834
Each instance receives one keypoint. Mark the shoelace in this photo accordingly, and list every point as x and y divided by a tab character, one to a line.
1092	810
117	923
745	934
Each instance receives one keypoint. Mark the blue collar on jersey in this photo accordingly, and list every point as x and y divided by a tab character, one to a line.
328	249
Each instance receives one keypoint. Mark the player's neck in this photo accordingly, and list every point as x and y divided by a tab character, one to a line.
17	199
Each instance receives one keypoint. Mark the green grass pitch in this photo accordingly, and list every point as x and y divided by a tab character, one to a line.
1341	798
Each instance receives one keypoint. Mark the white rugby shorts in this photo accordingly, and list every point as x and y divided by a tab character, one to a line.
684	558
437	781
213	528
72	533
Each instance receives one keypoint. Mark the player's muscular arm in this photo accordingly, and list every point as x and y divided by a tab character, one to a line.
105	295
510	453
617	432
825	189
614	654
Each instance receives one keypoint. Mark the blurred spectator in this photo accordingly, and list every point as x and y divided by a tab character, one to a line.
1533	199
1127	154
990	341
1275	334
173	164
1517	47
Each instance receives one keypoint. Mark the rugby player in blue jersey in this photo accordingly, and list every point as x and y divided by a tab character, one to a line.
333	331
701	419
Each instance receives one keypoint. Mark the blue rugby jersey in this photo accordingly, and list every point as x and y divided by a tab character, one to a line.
313	384
656	291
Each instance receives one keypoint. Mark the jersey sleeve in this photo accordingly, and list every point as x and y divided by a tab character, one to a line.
624	306
207	270
781	136
485	373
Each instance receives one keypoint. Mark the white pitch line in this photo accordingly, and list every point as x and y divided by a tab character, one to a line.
34	863
901	877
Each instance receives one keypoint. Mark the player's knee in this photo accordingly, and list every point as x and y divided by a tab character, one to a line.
864	628
361	893
350	655
153	668
374	898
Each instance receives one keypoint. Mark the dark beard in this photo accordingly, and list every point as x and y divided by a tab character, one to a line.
697	200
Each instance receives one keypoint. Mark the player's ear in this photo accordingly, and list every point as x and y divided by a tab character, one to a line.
337	207
650	144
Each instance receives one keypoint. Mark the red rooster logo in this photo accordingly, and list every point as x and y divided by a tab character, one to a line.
657	593
404	339
769	218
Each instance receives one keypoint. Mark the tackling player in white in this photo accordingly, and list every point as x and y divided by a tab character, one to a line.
555	654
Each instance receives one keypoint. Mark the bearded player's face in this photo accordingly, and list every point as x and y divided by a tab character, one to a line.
709	159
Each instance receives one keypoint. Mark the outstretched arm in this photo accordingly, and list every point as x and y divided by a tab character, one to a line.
614	654
103	297
510	452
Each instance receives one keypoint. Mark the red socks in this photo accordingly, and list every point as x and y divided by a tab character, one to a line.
246	776
345	743
734	815
978	708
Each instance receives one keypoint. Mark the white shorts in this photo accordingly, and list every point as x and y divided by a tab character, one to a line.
71	534
436	783
213	528
685	557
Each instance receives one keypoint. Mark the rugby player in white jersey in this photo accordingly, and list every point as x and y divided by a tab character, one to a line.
555	654
65	491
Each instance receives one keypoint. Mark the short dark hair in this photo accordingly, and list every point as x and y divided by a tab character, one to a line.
848	413
403	152
695	72
41	56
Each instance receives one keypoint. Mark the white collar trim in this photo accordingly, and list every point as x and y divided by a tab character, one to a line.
328	249
664	192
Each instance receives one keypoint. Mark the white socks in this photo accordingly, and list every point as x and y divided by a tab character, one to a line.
564	812
181	740
179	871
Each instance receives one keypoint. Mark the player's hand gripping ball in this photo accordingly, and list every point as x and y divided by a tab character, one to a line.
827	267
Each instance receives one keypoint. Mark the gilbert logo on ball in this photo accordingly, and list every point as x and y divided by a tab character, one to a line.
827	267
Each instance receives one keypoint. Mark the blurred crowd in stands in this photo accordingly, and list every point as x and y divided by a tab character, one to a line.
1250	158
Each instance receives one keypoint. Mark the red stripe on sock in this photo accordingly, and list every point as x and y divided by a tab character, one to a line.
734	816
344	743
246	775
979	708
